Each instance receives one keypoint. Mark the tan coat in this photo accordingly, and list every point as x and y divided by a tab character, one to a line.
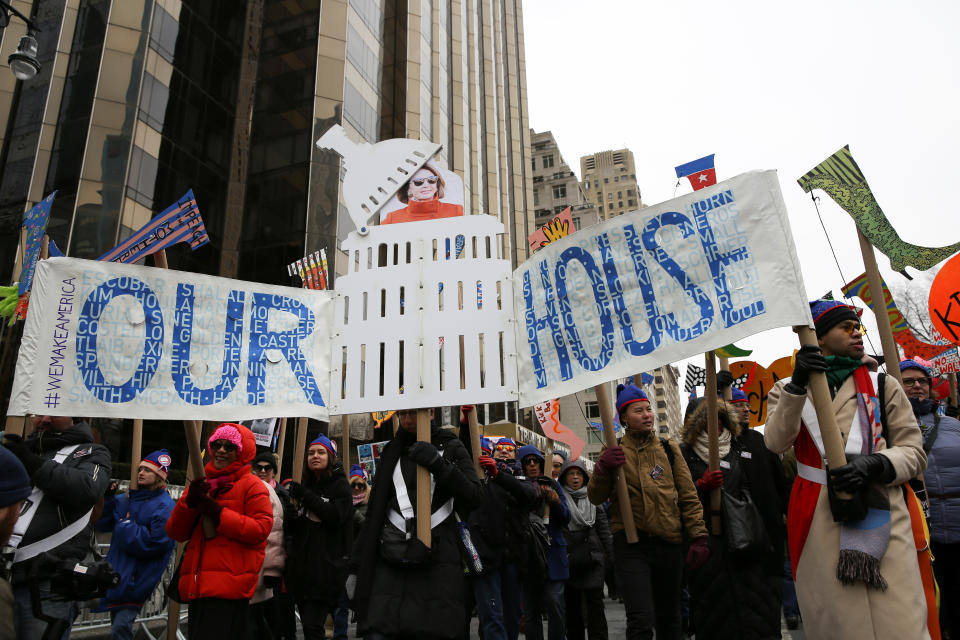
657	504
830	609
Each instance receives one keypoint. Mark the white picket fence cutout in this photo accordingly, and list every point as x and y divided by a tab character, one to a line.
400	301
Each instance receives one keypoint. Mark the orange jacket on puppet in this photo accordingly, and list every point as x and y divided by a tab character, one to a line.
428	210
228	565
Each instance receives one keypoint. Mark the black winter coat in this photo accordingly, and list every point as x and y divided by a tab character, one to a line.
733	595
589	551
489	530
318	538
425	599
70	490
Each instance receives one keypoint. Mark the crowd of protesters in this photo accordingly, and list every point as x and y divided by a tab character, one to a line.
525	540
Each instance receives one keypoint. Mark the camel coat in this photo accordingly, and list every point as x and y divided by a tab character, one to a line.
830	609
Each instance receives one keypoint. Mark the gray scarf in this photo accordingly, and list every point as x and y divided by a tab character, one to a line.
583	513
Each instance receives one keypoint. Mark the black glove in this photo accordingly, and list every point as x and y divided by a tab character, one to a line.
198	489
273	582
426	455
724	379
210	508
31	461
808	360
112	489
854	475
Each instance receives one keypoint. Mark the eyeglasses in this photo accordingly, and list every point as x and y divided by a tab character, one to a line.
851	329
920	382
263	468
506	448
223	444
418	182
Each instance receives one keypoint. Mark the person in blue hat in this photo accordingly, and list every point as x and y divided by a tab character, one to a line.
851	541
665	508
941	441
14	489
139	547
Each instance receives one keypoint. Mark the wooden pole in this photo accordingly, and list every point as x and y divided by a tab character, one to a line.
423	482
829	431
299	447
952	379
136	453
345	443
890	353
725	366
474	427
713	441
281	439
623	495
192	430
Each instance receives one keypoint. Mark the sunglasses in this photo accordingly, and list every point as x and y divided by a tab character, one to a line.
851	329
920	382
358	485
506	448
223	444
263	468
418	182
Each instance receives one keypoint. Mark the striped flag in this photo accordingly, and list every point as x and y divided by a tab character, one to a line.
696	377
180	222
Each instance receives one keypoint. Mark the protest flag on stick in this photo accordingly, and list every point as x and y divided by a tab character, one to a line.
700	172
180	222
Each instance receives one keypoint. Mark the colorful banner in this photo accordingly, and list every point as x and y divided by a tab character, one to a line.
841	178
180	222
761	381
35	221
560	226
548	416
655	286
124	341
902	333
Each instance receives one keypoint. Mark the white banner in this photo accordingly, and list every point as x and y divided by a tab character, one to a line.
655	286
114	340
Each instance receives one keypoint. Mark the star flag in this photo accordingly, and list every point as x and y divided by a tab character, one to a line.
701	173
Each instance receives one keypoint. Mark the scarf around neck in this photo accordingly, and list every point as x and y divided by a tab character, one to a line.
839	369
864	543
583	513
702	445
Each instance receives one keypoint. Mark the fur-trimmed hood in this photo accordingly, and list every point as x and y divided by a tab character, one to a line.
697	422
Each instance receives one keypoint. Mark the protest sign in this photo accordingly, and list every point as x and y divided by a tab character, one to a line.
948	362
655	286
548	416
263	430
944	300
114	340
560	226
35	222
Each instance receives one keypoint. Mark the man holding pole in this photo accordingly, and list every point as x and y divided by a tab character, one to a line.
852	547
404	588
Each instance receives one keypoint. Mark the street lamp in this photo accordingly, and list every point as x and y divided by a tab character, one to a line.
23	62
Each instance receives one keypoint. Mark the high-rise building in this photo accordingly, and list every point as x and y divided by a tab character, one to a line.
139	100
610	182
666	401
555	186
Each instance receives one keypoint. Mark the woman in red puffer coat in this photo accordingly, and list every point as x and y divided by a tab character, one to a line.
219	575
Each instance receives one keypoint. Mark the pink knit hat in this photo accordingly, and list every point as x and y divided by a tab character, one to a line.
229	432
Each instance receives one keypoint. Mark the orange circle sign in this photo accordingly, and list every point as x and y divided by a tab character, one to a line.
945	300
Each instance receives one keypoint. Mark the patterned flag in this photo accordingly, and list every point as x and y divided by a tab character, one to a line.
696	377
180	222
701	172
35	221
732	351
548	415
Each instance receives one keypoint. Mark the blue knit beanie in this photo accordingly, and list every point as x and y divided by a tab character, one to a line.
913	364
159	462
325	442
486	446
736	395
629	393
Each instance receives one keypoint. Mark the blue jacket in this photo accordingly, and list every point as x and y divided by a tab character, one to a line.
140	548
558	564
943	477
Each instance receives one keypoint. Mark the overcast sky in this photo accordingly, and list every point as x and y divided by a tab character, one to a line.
763	85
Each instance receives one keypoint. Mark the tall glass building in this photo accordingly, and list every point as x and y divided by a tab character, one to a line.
139	100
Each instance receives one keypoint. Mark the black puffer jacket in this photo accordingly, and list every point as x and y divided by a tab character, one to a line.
318	538
70	490
417	600
489	528
735	595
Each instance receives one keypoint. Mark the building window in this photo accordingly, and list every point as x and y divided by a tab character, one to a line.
606	180
616	178
533	164
629	192
610	196
630	203
599	197
611	206
537	178
593	457
560	191
594	435
620	204
586	184
536	197
619	194
592	409
548	161
558	208
576	224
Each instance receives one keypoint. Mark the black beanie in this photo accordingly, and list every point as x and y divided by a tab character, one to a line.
14	481
266	456
829	313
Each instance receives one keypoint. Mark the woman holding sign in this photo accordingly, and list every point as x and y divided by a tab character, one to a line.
665	507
